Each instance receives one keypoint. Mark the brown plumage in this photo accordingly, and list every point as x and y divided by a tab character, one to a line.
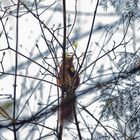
68	87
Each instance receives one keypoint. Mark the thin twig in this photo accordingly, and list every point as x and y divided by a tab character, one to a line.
16	65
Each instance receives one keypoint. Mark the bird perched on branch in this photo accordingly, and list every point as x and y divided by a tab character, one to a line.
68	82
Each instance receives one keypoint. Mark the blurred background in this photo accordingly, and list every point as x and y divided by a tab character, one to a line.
104	38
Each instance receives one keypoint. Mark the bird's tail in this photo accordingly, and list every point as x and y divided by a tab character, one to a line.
67	108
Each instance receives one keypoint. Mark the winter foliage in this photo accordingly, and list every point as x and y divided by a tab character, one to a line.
124	8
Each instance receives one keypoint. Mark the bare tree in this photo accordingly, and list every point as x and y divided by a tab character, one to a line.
67	73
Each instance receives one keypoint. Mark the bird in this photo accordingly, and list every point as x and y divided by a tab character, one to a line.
68	81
